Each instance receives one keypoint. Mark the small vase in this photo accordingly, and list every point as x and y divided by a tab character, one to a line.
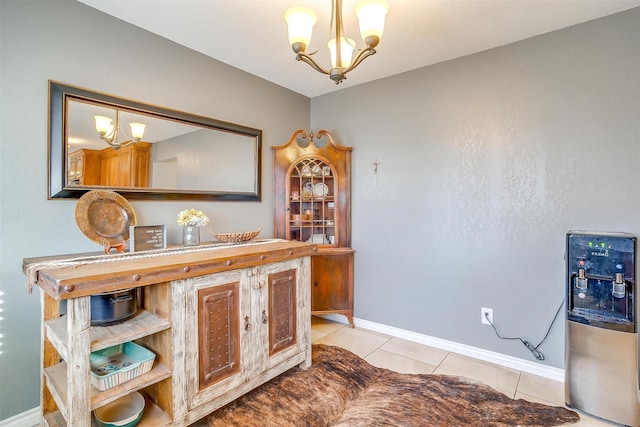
190	235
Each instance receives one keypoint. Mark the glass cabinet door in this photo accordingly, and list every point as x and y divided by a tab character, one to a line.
311	202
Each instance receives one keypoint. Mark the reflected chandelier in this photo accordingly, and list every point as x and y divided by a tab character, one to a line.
108	131
371	14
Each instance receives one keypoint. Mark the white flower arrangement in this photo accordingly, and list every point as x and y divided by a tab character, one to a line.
193	217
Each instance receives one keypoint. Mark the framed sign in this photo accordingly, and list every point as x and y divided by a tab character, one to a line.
147	237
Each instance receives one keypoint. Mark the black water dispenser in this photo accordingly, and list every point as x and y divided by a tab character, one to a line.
601	352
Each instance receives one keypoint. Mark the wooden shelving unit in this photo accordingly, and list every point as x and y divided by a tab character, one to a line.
275	277
65	379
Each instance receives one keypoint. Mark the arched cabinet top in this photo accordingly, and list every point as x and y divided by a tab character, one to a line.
312	190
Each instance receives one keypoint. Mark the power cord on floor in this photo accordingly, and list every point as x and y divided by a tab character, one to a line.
533	349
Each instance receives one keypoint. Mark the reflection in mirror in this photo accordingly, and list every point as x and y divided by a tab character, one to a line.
176	156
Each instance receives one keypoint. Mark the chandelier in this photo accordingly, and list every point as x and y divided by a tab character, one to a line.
371	14
108	131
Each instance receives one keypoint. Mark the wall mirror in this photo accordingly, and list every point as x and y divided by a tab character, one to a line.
176	156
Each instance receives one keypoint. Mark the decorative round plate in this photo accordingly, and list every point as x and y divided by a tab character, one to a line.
320	190
104	217
307	186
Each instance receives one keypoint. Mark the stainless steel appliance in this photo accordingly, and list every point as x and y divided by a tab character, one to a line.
601	369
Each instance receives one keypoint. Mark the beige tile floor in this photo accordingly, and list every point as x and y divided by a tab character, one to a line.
409	357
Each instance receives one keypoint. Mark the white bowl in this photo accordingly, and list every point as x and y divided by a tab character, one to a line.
125	411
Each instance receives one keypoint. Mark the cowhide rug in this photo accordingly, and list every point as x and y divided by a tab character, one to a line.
341	389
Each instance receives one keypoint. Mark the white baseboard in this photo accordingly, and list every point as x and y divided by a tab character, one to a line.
28	418
552	373
32	417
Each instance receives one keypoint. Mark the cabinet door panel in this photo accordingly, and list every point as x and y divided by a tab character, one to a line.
73	167
219	333
125	160
282	308
331	279
79	167
114	168
105	167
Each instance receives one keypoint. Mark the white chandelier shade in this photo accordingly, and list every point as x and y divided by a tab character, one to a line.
347	46
301	21
371	18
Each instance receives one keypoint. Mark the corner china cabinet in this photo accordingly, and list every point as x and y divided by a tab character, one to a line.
312	198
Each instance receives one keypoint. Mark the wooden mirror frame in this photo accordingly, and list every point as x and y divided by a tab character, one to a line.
59	188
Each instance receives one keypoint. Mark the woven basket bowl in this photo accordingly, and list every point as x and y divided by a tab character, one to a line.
243	236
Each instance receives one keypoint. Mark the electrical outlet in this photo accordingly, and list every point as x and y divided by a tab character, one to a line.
489	314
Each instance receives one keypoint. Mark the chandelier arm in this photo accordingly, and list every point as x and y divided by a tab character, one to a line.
116	129
112	136
117	145
364	53
312	53
332	20
301	56
326	40
128	142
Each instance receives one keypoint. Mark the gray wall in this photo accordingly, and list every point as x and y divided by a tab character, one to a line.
485	163
75	44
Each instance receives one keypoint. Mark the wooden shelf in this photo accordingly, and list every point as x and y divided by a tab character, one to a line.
54	419
56	377
144	323
153	417
168	326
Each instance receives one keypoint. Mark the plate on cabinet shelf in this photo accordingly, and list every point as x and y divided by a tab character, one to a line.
319	239
314	170
320	190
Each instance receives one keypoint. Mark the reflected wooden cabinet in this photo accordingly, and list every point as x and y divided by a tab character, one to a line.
129	166
312	186
126	167
83	167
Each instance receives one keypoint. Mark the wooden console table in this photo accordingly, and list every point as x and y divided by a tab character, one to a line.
256	295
